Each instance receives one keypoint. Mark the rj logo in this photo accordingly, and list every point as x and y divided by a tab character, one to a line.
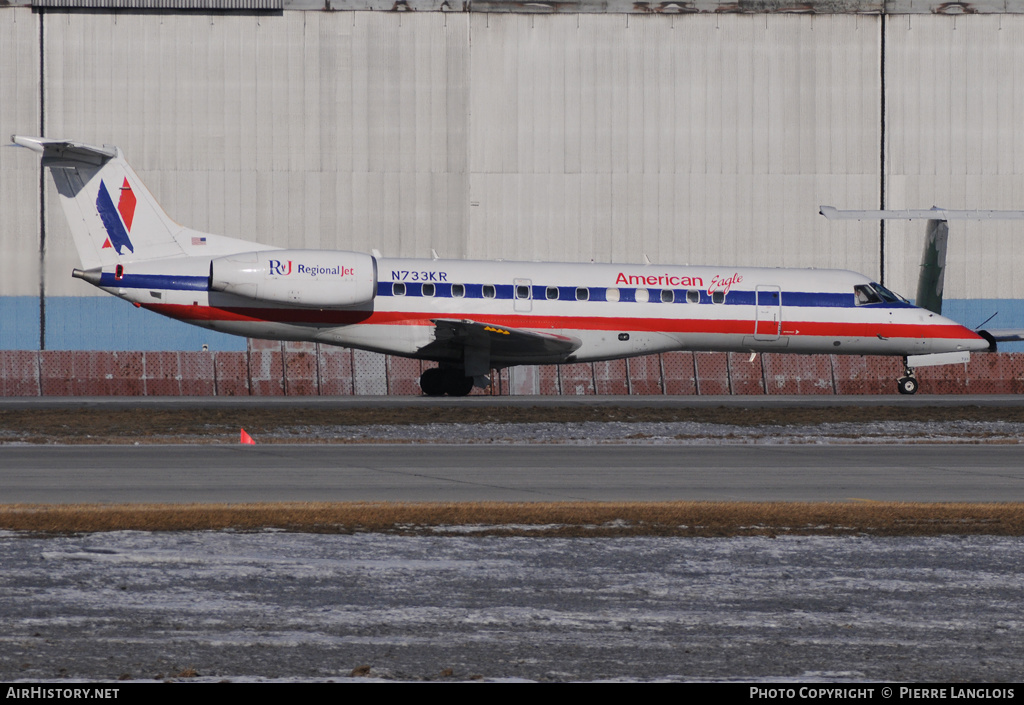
277	268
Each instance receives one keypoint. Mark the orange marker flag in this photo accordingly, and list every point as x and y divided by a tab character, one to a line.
247	439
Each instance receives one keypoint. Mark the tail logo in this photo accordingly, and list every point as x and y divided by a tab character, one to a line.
117	221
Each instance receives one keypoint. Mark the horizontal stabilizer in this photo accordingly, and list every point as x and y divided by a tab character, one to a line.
933	213
56	152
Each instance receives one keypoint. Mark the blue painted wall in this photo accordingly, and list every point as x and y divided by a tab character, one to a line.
19	322
100	323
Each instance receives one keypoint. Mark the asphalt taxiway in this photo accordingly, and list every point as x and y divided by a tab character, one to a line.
520	473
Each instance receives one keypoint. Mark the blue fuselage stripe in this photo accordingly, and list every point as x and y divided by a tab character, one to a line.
815	299
797	299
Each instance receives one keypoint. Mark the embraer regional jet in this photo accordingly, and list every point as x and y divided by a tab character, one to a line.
472	316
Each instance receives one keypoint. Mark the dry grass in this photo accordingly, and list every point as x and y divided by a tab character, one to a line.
554	519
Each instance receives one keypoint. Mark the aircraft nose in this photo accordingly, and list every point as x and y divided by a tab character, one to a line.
967	338
978	345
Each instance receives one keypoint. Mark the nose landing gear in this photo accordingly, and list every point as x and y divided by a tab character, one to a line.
907	384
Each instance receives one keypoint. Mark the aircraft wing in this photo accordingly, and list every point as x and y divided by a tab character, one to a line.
502	343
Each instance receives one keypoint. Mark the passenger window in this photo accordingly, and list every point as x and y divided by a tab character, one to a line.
692	296
489	291
667	296
398	289
582	294
642	296
428	289
458	291
551	293
611	294
718	297
522	291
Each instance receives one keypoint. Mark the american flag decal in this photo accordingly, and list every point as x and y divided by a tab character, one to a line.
198	240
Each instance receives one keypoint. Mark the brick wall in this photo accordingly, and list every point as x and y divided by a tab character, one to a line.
305	369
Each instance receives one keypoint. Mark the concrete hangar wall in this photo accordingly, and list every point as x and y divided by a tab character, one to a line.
582	131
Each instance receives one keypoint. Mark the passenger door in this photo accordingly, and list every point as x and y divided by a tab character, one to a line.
768	313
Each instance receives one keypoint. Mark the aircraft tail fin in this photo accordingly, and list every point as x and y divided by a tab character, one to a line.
931	279
112	215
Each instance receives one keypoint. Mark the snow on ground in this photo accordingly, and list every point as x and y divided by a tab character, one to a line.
681	433
299	606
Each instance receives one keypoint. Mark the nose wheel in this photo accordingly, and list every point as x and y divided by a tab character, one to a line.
907	384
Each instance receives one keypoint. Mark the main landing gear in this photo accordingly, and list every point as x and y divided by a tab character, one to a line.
907	384
438	381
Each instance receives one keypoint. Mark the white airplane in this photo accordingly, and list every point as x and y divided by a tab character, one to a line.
473	316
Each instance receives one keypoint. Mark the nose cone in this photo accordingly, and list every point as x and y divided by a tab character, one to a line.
978	344
962	338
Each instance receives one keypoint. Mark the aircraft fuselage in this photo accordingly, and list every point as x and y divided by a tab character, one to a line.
613	310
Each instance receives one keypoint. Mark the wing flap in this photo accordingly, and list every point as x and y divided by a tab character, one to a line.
503	342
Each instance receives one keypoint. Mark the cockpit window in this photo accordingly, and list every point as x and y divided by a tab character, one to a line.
887	295
865	295
875	293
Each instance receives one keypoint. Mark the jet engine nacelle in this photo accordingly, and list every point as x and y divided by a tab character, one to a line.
309	278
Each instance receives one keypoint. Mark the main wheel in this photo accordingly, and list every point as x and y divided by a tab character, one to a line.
457	383
433	382
907	385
